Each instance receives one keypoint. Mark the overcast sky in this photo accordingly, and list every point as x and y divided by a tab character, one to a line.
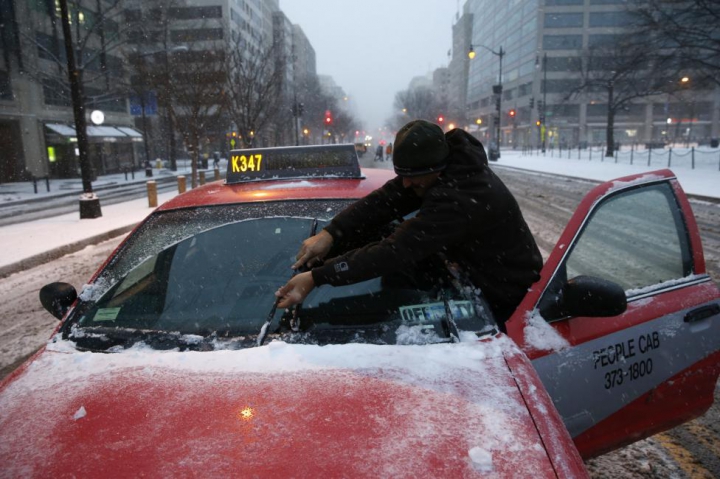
373	48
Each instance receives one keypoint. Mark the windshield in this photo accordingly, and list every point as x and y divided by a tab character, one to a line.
211	283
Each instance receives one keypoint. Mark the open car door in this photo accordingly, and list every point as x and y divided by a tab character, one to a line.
621	367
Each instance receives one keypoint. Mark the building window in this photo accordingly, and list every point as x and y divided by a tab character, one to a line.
197	34
603	40
133	15
49	47
525	89
56	94
611	19
559	86
563	20
5	86
152	36
564	64
562	42
551	3
195	13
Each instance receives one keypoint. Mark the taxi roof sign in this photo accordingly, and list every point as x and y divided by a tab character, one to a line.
314	161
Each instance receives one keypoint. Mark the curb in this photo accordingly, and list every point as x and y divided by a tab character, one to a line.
61	251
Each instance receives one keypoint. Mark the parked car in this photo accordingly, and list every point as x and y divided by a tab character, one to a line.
361	149
164	364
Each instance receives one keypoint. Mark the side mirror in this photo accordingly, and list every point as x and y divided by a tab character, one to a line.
587	296
57	298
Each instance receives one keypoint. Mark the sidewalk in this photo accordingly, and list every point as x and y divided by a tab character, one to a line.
28	244
25	245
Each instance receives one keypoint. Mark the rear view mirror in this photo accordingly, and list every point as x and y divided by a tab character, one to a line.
587	296
57	298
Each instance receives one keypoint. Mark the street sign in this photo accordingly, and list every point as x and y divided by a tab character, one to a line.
150	104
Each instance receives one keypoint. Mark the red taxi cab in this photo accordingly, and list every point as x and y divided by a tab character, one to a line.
173	360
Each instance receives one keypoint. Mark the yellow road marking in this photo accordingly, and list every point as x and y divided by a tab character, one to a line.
702	435
683	457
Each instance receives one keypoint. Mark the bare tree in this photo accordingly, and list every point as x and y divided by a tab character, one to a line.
252	89
688	29
618	73
344	126
415	103
198	92
315	103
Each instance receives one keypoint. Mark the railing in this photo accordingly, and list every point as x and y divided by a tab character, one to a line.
706	158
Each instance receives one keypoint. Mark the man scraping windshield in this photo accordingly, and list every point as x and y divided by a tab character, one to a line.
463	210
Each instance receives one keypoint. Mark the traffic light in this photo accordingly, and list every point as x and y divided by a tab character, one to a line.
512	113
441	119
540	105
537	123
532	102
497	103
328	118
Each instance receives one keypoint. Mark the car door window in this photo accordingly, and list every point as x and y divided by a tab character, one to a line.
636	239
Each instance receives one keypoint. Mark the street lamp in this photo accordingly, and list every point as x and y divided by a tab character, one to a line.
497	89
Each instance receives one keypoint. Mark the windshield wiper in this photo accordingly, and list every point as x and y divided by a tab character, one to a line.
460	281
294	321
448	320
103	338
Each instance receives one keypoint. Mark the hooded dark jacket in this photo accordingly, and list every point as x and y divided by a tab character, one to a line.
469	215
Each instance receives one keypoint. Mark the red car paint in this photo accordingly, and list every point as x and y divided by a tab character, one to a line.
120	420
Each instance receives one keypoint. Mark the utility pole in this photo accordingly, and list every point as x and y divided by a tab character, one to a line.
543	127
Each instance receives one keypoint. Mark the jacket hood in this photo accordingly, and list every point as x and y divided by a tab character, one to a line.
450	410
465	151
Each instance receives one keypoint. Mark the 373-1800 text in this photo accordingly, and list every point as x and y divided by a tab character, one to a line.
634	371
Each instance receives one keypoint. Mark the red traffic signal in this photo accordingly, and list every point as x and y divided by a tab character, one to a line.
441	119
328	117
512	112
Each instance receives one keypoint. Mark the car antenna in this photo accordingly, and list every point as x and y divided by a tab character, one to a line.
294	323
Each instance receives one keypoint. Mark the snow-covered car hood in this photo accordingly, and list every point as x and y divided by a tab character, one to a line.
448	410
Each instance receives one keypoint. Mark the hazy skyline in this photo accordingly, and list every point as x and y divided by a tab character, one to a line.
373	48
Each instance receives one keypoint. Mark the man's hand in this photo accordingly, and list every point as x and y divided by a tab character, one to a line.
313	250
296	290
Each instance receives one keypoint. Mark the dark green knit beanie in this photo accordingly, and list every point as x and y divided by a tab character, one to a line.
420	148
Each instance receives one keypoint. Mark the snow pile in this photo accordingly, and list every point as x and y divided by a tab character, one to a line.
481	459
94	291
417	334
80	413
285	185
541	336
617	185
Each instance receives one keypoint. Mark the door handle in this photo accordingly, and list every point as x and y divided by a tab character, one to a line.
701	313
